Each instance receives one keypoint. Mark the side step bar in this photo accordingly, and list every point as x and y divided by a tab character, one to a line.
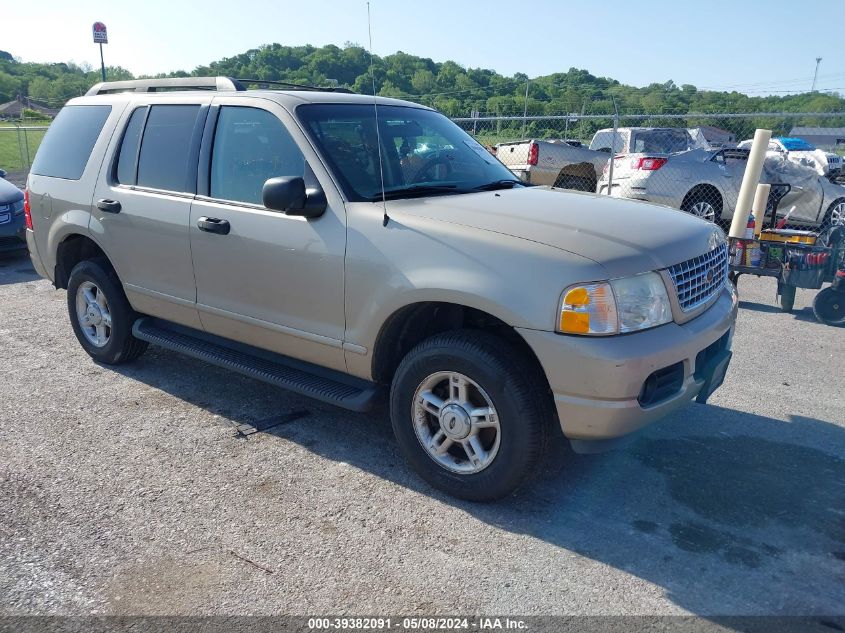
303	378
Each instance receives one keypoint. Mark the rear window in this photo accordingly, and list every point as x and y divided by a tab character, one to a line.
604	141
661	141
67	146
163	163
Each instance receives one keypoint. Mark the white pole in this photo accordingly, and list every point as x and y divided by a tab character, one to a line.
749	182
761	199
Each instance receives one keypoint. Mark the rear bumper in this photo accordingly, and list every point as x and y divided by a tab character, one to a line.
596	381
33	255
637	190
534	175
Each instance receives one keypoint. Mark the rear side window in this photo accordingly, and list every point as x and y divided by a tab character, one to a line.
250	146
67	146
163	163
126	159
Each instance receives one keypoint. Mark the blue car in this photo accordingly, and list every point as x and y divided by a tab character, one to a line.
12	223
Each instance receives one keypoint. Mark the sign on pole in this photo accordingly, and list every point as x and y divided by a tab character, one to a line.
100	34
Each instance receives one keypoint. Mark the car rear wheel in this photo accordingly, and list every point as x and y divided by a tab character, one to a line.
705	202
469	415
578	183
100	314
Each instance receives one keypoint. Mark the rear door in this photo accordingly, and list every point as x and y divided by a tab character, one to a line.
273	281
142	206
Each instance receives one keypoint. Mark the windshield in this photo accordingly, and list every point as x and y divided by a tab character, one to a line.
423	152
661	141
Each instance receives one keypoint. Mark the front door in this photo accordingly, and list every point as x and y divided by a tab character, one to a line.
272	280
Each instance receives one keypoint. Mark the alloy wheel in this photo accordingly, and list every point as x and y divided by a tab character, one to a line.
456	423
704	210
92	311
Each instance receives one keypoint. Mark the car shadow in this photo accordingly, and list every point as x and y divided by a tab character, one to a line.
805	314
16	268
728	512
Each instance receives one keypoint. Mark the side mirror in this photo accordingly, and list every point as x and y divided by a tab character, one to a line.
289	195
2	173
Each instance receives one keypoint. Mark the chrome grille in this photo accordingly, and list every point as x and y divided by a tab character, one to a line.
694	283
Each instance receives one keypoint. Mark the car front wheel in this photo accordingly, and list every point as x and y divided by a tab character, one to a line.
470	414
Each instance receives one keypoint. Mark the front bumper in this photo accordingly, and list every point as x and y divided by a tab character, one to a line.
13	234
597	381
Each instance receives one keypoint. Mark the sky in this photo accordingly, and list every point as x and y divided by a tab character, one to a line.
752	46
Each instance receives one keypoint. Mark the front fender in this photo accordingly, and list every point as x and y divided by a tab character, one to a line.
416	260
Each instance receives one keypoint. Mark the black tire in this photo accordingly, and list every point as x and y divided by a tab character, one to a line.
121	347
704	195
734	278
518	391
829	307
577	183
787	298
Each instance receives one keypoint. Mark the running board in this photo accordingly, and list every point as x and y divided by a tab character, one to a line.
309	380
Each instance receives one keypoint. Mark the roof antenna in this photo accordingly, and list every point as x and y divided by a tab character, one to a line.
378	132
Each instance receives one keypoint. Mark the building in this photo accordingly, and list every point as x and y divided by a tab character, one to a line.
14	109
824	137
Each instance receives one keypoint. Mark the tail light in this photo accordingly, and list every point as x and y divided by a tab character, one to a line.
648	164
533	153
27	210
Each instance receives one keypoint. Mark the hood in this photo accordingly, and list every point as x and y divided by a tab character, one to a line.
8	192
625	236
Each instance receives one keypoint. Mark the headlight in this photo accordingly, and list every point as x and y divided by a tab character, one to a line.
17	207
613	307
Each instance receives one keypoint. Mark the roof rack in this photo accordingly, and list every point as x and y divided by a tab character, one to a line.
286	84
217	84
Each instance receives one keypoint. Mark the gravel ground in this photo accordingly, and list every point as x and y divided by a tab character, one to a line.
172	487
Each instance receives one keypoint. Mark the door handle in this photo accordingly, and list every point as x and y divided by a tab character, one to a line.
213	225
109	206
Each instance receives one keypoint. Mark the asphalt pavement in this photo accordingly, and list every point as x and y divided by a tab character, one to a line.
172	487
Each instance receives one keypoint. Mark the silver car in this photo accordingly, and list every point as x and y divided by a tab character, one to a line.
706	183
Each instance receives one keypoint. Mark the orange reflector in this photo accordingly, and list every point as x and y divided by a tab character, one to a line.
574	322
577	297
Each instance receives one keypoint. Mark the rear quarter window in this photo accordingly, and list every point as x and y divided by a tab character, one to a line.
67	146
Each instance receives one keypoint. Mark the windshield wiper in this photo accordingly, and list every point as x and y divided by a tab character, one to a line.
498	184
414	190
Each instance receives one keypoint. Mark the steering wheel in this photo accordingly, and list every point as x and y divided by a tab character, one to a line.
422	172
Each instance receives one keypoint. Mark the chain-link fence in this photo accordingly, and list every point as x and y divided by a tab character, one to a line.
19	140
690	162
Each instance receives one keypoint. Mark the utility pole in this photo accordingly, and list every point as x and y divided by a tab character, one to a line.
816	74
525	110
